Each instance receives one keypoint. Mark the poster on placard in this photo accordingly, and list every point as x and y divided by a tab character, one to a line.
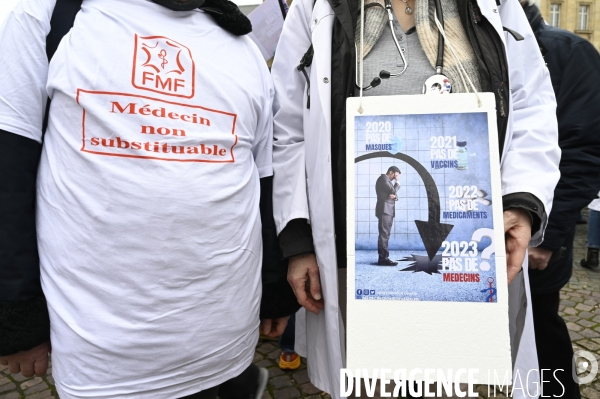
426	264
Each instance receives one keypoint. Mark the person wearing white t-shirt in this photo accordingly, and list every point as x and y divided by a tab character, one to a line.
144	204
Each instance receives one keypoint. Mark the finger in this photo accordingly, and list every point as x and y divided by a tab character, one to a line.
266	326
297	284
27	369
319	304
311	305
272	328
517	255
507	223
515	262
537	264
512	272
14	367
281	325
542	265
278	328
3	361
314	280
40	367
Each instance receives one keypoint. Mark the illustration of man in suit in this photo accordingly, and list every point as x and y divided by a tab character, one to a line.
385	210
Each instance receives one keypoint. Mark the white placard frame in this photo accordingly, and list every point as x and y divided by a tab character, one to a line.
436	334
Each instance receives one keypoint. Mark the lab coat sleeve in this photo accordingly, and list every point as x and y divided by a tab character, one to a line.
532	155
290	199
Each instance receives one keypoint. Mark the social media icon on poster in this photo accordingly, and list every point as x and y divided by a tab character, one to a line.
372	292
358	292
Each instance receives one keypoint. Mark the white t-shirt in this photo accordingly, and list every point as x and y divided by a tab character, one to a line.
147	203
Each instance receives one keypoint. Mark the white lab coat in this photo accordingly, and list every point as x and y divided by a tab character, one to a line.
302	167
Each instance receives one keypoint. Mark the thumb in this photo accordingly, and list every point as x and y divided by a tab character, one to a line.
315	282
266	326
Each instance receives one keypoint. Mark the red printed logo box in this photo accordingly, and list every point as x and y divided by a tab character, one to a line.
163	66
126	125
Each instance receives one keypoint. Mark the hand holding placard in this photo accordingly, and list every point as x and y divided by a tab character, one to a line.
517	233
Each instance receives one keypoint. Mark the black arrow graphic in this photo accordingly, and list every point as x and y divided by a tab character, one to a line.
432	232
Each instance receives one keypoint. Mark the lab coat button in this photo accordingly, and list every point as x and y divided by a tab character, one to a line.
325	80
495	10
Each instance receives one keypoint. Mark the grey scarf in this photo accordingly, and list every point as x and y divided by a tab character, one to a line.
376	22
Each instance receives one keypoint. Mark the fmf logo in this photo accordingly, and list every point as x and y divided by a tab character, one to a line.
163	66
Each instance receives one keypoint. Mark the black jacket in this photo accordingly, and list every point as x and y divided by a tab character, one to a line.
296	237
574	66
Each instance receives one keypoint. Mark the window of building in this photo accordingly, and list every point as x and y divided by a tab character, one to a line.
584	12
555	15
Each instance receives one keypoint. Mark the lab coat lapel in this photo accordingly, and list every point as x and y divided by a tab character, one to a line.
321	39
489	10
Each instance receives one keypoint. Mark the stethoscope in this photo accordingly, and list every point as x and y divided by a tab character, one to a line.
438	83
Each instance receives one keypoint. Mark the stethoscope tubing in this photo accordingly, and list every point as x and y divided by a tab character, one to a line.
388	7
440	55
386	75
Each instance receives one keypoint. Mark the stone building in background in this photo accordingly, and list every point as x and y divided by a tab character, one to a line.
579	16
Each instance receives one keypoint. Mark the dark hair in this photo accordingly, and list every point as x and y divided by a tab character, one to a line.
393	169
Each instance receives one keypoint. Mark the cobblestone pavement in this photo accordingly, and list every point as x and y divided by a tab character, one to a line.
580	307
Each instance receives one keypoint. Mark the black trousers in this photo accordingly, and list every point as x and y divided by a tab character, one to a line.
554	348
243	386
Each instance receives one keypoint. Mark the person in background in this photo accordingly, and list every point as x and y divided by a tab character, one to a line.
593	236
574	66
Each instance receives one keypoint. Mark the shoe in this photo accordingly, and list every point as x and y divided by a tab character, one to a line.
289	361
591	260
263	378
386	262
